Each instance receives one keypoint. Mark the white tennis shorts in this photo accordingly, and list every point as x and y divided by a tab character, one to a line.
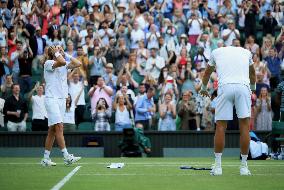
55	109
230	95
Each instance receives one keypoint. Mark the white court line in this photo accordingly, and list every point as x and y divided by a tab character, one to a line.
65	179
169	175
151	164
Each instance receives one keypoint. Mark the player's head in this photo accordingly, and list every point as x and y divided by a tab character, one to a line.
50	52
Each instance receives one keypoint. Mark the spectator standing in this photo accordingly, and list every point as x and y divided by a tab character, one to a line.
6	87
280	99
25	65
39	118
251	10
14	58
100	91
154	64
273	63
77	94
122	108
186	111
263	111
6	14
145	108
110	78
97	64
38	45
167	112
230	34
16	110
194	28
268	23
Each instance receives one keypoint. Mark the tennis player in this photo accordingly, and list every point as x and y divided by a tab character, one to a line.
236	79
56	92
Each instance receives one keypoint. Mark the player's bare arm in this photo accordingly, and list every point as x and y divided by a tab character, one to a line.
208	71
54	51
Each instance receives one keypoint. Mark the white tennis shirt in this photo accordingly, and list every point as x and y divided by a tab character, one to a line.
232	65
55	80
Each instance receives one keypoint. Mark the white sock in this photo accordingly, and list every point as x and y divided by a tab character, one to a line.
244	158
64	152
218	157
46	154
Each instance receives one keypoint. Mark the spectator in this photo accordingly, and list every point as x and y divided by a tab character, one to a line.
152	37
268	23
227	9
188	80
38	45
214	37
6	14
100	91
101	115
97	64
194	28
14	58
266	47
277	12
263	111
145	109
123	109
251	45
85	63
121	55
273	63
280	99
259	83
183	43
186	111
125	79
110	78
230	34
3	34
154	64
261	68
4	64
167	84
6	87
25	66
77	96
136	35
142	55
251	10
39	118
69	115
167	112
16	110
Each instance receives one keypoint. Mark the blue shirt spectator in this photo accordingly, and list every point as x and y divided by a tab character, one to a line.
145	108
273	63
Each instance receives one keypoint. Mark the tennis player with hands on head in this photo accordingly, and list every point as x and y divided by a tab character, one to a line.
56	91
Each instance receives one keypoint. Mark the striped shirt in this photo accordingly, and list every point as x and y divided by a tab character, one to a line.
280	90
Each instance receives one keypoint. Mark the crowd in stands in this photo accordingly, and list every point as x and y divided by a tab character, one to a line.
142	60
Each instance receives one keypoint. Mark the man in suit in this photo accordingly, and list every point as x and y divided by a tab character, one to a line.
38	45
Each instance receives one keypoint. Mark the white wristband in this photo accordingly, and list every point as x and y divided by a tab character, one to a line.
253	87
203	87
57	54
68	56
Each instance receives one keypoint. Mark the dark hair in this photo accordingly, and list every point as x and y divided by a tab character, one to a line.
13	85
107	106
151	89
161	78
